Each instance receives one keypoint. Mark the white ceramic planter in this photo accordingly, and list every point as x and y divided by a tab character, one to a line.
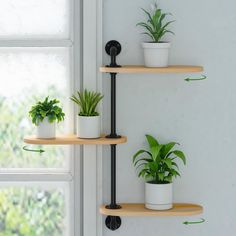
46	130
158	196
156	54
89	127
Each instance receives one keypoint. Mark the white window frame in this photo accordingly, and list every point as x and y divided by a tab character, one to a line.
73	178
92	155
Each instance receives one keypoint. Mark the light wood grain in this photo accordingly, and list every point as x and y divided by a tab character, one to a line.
143	69
137	209
72	139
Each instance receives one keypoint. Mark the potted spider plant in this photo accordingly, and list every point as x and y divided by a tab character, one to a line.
156	51
158	167
88	117
44	114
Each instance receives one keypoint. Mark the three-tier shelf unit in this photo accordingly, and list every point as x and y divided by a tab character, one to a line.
114	211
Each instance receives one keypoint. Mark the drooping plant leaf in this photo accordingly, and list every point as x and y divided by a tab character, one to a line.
180	154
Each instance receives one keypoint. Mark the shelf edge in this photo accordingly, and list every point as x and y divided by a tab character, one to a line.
73	140
143	69
140	210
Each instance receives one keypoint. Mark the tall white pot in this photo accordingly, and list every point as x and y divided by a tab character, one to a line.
158	196
89	127
46	130
156	54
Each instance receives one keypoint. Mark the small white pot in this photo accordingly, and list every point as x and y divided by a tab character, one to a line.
156	54
89	127
46	130
158	196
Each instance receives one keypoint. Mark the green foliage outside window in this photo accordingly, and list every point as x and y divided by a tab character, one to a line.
31	212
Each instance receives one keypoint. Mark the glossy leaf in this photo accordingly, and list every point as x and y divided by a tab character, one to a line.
159	166
154	146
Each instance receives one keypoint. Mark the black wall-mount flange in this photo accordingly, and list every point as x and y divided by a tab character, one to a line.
113	222
113	48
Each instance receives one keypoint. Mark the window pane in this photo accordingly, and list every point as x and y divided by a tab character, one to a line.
33	211
27	75
34	18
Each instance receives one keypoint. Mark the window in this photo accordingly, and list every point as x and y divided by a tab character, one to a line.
36	60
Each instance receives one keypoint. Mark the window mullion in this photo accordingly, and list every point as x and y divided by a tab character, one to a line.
35	177
36	43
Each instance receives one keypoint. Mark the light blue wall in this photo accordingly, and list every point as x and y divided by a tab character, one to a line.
199	115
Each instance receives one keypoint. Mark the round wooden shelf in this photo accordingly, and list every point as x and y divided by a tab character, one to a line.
143	69
138	209
72	139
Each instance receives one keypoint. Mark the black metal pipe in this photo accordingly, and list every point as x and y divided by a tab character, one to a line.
113	175
113	48
113	53
113	105
113	204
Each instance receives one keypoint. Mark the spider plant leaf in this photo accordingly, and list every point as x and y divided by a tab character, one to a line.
154	146
156	17
146	26
149	17
167	148
163	16
140	152
168	178
168	23
139	165
149	34
175	173
143	172
169	31
174	164
181	155
142	159
161	176
153	166
168	162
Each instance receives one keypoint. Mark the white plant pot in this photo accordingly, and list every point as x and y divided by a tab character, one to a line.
89	127
156	54
46	130
158	196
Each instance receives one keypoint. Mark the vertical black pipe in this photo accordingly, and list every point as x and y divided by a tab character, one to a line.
113	134
113	105
113	176
113	48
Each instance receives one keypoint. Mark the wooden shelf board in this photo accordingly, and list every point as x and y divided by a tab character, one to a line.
72	139
137	209
143	69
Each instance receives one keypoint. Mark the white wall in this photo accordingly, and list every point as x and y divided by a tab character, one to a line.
199	115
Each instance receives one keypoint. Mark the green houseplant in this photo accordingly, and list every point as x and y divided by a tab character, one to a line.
158	167
44	114
156	27
88	116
